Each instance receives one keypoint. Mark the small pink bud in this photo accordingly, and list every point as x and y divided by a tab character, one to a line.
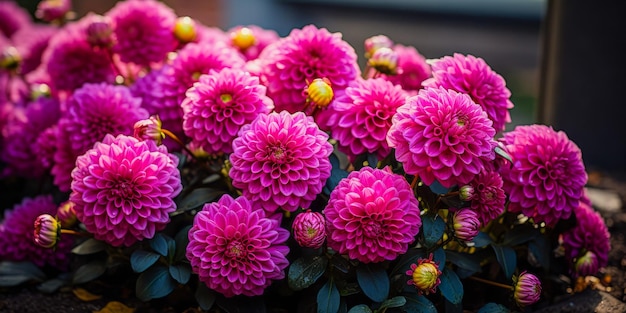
466	193
466	224
375	42
527	289
425	275
10	58
319	92
47	231
243	38
587	264
100	32
149	129
53	10
185	29
309	229
384	60
66	214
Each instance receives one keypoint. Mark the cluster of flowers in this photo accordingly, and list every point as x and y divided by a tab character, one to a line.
108	106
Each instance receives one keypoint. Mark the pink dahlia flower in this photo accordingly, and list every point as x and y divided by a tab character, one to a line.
280	160
473	76
45	145
12	18
31	42
144	30
412	68
304	55
236	249
587	245
309	229
17	239
442	135
361	117
488	196
372	215
123	189
53	10
92	112
547	178
219	104
261	38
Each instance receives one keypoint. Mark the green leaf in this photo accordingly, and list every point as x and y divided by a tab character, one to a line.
89	246
89	272
140	260
507	258
361	308
197	198
463	260
328	298
482	240
204	296
374	281
433	227
394	302
418	304
182	240
493	308
372	160
52	285
180	272
154	283
499	151
453	307
437	188
439	256
340	263
451	287
24	268
305	271
539	250
14	280
519	235
405	261
160	243
336	174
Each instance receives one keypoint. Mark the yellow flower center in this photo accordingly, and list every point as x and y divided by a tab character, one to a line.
425	276
184	29
320	93
243	38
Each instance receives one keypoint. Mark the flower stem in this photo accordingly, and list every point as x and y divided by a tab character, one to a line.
178	141
493	283
414	182
75	233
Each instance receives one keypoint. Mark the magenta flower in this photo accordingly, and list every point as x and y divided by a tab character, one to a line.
93	111
309	229
442	135
236	249
47	231
123	189
473	76
412	68
527	289
31	42
219	104
144	30
466	224
258	37
360	118
547	177
304	55
45	147
280	160
12	18
488	196
17	235
587	245
372	216
53	10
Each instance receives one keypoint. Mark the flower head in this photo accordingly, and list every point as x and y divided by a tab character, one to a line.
527	289
53	10
319	93
442	135
100	32
236	249
372	215
219	104
425	275
373	43
304	55
149	129
466	224
47	231
185	29
411	70
384	60
471	75
31	42
12	18
547	177
309	229
488	195
66	215
123	189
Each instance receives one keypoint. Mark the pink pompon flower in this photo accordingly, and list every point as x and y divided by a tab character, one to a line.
236	249
488	196
17	241
123	189
473	76
442	135
31	42
219	104
412	68
587	245
309	229
144	30
304	55
362	116
527	289
547	178
281	160
93	111
372	215
53	10
250	40
425	275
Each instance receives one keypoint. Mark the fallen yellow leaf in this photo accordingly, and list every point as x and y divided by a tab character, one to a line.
115	307
85	295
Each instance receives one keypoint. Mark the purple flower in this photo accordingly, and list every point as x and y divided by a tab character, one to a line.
488	196
12	18
250	40
466	224
304	55
219	104
144	30
527	289
442	135
45	147
412	68
123	189
53	10
236	249
547	177
280	160
472	75
372	216
31	42
309	229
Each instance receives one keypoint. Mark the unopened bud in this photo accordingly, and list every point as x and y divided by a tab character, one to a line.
243	38
587	264
185	29
53	10
527	289
374	43
66	214
319	93
425	275
309	229
47	231
466	193
149	129
466	224
10	58
100	32
384	60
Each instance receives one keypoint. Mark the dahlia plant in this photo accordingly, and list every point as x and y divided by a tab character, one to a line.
244	171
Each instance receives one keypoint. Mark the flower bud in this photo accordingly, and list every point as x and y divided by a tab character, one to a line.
466	224
10	58
100	32
53	10
425	275
527	289
384	60
587	264
66	214
309	229
47	231
375	42
149	129
243	38
39	90
185	29
466	193
319	93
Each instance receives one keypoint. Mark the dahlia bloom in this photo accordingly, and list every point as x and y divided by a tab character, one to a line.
53	10
527	289
372	215
17	235
304	55
473	76
412	68
425	275
44	147
92	112
250	40
309	229
219	104
547	178
31	42
236	249
442	135
123	189
12	18
280	160
488	196
144	30
360	118
466	224
587	245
